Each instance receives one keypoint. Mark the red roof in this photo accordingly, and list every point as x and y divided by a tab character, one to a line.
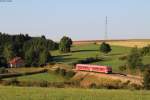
16	60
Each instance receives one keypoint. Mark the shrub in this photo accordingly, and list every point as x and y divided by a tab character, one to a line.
12	81
43	84
75	83
122	68
57	84
93	86
105	48
62	72
70	74
94	43
145	50
57	70
3	70
123	57
146	79
87	60
134	86
27	83
134	59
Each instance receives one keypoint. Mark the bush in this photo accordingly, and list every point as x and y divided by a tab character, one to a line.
147	79
145	50
134	86
57	70
3	70
43	84
70	74
27	83
122	68
123	57
134	59
62	72
93	86
12	81
107	84
95	43
87	60
105	48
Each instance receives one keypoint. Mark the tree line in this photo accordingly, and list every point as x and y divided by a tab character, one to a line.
34	50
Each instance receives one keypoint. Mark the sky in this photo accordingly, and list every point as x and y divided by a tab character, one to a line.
78	19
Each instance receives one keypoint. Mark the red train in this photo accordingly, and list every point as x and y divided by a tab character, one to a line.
93	68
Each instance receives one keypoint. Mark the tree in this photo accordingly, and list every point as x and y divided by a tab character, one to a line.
145	50
8	52
29	57
43	37
44	57
65	44
134	59
105	48
34	50
146	79
3	62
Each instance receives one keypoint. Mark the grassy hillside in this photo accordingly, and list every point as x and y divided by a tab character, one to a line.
50	77
92	50
24	93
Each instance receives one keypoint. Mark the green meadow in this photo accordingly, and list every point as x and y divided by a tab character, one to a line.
33	93
49	77
80	52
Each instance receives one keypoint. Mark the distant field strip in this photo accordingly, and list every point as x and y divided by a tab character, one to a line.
24	93
126	43
131	43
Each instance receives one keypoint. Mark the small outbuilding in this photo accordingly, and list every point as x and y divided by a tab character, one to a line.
16	62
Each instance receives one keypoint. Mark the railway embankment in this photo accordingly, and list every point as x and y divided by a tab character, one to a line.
88	78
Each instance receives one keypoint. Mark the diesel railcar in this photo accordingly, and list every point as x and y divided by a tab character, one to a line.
94	68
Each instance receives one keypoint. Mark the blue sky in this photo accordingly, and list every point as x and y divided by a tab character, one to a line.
78	19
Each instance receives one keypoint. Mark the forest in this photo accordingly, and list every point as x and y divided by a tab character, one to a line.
35	51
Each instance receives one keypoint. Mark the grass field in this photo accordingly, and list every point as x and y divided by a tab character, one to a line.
91	50
50	77
78	52
24	93
23	70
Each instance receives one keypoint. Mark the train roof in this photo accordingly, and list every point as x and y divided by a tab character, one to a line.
88	65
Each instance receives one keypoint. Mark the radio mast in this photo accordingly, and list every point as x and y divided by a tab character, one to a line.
106	28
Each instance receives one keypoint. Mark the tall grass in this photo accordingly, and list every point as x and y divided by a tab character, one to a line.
24	93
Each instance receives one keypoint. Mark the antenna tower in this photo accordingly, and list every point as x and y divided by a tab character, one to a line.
106	28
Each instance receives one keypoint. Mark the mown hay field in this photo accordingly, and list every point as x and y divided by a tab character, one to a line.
139	44
126	43
33	93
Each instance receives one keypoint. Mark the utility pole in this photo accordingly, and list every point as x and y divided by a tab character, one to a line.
106	29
